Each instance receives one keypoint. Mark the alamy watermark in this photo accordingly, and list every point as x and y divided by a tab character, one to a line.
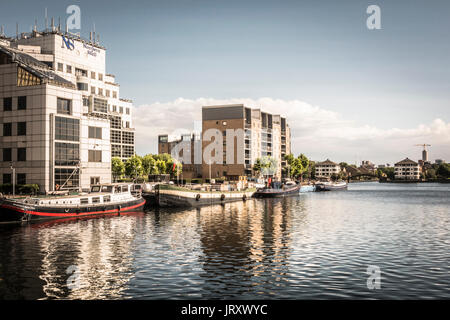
374	20
73	281
374	279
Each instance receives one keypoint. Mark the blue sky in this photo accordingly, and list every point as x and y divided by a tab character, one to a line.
317	52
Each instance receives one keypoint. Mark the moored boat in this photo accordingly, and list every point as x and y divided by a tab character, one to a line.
102	199
167	195
276	190
331	186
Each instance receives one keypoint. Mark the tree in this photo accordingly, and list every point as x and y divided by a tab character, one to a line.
133	167
298	166
117	168
431	174
257	166
444	170
161	166
148	164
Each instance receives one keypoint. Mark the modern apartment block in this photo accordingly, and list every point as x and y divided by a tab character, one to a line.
61	115
407	169
326	168
264	134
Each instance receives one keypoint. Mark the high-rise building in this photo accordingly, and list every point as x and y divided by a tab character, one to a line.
264	135
61	115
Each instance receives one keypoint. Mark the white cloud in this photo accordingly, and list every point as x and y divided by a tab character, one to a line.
317	132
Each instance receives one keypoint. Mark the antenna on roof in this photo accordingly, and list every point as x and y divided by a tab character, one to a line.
59	24
2	32
17	30
35	25
93	33
98	39
53	24
46	20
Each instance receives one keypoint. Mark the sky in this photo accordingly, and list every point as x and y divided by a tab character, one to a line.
349	93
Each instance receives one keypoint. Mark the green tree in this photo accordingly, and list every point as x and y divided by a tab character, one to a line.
257	167
431	174
133	167
117	168
148	164
161	166
444	170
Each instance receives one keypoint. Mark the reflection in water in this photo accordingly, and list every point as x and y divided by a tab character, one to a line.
316	245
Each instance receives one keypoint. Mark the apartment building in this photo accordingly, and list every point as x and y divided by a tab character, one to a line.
257	134
326	169
61	115
407	169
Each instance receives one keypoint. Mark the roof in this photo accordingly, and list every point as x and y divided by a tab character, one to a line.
326	162
34	66
406	161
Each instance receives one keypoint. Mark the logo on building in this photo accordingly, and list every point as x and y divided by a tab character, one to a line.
69	43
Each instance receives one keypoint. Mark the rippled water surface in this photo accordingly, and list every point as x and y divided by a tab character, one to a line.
312	246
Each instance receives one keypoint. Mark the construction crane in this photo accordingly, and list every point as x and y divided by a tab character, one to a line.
425	151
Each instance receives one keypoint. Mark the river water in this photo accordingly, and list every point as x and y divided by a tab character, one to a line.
312	246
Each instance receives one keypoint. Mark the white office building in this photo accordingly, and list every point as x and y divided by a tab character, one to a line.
61	115
407	169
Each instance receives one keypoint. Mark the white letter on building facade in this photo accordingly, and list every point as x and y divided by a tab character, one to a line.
239	135
213	152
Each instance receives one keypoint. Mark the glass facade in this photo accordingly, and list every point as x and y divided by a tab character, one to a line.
62	175
66	154
100	105
67	129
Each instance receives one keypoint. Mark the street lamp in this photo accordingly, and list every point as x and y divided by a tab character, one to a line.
13	178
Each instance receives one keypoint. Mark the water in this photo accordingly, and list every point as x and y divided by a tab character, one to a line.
314	246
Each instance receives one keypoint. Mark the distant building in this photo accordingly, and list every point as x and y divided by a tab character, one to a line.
326	168
165	145
407	169
439	161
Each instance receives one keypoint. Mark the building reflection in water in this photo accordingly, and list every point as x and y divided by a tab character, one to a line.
101	250
247	251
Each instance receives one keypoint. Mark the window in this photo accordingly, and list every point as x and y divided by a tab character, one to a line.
21	178
115	136
114	94
92	89
21	128
7	178
95	180
60	67
63	106
85	101
127	124
93	75
96	200
80	72
21	103
67	129
107	93
7	154
7	104
106	198
128	137
25	78
66	154
100	77
82	86
84	200
116	150
95	132
21	154
100	105
121	110
69	69
7	129
128	110
67	177
115	108
100	91
95	156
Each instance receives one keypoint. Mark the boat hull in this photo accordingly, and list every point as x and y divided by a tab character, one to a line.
12	211
179	198
322	187
277	193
